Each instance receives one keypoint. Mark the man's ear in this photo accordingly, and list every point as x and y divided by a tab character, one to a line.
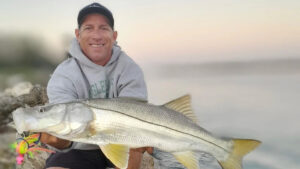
115	35
77	33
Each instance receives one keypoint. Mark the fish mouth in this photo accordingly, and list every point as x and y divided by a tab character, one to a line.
18	118
24	122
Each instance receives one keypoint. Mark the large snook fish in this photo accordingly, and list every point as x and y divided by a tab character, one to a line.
117	125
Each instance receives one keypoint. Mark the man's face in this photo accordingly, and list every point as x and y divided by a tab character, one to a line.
96	38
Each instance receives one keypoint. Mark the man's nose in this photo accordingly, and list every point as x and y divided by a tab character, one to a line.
97	34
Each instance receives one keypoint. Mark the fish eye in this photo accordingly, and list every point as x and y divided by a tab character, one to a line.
41	110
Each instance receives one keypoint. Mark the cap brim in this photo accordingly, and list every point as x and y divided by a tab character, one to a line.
92	10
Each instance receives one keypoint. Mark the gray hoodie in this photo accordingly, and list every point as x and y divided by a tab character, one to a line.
120	77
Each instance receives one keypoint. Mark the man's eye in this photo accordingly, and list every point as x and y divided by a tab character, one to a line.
104	28
87	28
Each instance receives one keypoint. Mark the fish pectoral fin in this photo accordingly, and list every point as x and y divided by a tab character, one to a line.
183	106
188	159
118	154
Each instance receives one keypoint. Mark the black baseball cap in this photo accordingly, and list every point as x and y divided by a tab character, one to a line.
95	8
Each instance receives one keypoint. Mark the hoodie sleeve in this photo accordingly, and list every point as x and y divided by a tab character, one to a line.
60	89
131	83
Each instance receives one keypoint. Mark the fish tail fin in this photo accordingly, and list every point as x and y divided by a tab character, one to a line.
240	148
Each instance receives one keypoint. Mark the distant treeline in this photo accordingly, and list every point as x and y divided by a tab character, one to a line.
23	51
24	58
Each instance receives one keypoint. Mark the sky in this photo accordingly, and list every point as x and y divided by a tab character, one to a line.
171	30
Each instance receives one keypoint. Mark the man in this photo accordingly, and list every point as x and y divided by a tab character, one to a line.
97	68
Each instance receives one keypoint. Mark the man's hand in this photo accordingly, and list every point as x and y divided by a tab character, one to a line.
136	156
54	141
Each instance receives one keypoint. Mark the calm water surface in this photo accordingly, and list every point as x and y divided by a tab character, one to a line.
263	106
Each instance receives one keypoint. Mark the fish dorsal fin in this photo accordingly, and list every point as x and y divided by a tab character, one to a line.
183	105
188	159
117	154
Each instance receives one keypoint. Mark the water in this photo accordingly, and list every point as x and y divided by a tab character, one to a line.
244	104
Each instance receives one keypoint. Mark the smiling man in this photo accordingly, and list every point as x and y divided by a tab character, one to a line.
96	38
96	68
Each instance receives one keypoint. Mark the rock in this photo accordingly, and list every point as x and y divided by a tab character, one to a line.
7	155
38	162
147	162
19	89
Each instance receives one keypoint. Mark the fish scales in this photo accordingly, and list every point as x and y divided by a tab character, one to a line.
172	121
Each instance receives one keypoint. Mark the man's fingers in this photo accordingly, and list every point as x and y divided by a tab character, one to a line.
149	150
54	141
143	149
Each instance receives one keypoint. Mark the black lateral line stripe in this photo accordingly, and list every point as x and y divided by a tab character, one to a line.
160	126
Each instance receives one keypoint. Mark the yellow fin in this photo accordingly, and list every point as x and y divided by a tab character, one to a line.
117	154
240	148
183	105
188	159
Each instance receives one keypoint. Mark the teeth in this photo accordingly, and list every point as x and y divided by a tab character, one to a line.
97	45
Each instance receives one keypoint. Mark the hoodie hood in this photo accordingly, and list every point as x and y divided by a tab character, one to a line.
77	53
